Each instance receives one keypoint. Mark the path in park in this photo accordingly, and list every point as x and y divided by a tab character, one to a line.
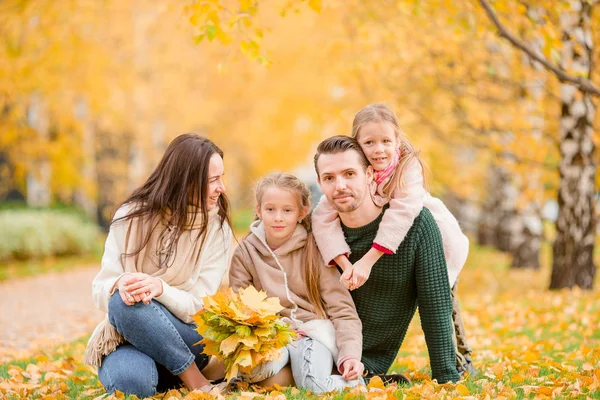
46	310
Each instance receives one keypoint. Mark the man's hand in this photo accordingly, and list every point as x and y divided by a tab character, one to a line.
353	369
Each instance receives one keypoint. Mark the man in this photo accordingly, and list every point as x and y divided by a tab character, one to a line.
415	276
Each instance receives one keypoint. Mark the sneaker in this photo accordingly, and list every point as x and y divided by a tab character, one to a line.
218	388
236	384
467	368
392	378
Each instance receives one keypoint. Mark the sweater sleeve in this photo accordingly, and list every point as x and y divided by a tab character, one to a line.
213	265
434	299
405	206
103	285
327	230
342	312
239	276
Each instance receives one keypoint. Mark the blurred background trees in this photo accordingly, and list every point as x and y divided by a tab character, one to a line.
91	92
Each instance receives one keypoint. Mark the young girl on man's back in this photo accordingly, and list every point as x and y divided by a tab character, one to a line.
398	179
279	256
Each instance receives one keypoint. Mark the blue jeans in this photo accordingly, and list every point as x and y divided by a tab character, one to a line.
159	347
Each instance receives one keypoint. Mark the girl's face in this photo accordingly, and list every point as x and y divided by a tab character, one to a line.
379	143
280	212
216	187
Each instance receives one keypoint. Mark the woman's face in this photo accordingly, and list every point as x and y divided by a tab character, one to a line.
216	170
280	212
378	142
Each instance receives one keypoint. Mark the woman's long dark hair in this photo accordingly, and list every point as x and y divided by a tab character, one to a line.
175	193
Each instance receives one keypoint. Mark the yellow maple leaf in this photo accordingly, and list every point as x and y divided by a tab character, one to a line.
376	383
462	389
257	300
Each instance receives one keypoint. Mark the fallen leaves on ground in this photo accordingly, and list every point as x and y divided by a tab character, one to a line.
528	343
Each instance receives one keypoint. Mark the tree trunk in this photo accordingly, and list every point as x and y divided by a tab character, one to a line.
40	172
112	159
573	263
492	230
526	238
85	195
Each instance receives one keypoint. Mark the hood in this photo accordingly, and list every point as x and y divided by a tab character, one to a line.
258	239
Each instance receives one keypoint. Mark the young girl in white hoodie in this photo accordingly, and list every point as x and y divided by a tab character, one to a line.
398	179
279	256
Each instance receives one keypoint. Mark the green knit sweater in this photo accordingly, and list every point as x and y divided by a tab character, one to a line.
415	276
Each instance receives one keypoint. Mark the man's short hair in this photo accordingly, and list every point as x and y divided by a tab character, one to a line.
339	144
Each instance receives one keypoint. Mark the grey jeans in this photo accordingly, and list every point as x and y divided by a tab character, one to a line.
311	364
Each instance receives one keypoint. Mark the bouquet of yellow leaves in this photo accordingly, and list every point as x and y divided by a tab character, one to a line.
242	329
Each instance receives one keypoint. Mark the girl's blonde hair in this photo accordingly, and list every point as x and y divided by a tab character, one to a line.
311	259
379	112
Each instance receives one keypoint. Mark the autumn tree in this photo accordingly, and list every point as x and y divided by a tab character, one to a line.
573	263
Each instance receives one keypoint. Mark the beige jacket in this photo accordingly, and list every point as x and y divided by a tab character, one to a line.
280	274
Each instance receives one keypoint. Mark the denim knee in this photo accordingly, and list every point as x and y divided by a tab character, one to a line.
116	307
129	371
141	385
123	316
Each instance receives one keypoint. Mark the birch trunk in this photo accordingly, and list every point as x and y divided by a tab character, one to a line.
40	172
573	263
85	195
526	240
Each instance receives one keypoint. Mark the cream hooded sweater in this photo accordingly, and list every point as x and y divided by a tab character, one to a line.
280	274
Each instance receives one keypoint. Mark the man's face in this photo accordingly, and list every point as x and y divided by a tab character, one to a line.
343	180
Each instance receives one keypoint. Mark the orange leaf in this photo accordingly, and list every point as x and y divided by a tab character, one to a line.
462	389
587	367
376	383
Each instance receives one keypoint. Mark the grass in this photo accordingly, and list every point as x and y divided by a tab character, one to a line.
528	343
20	269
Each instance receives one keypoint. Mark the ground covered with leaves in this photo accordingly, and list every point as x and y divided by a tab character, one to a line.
528	343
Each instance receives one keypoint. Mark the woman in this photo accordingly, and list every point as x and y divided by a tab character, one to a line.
168	246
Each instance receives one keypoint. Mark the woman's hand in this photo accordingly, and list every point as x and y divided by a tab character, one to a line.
144	287
353	369
127	297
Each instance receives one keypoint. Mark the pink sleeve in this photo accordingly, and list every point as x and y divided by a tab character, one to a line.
327	231
405	206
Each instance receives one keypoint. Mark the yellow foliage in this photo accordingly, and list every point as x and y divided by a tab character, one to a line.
242	328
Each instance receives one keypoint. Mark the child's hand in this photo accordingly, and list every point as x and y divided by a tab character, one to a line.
361	270
346	278
343	262
353	369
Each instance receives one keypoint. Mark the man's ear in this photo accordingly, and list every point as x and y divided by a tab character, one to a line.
369	173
